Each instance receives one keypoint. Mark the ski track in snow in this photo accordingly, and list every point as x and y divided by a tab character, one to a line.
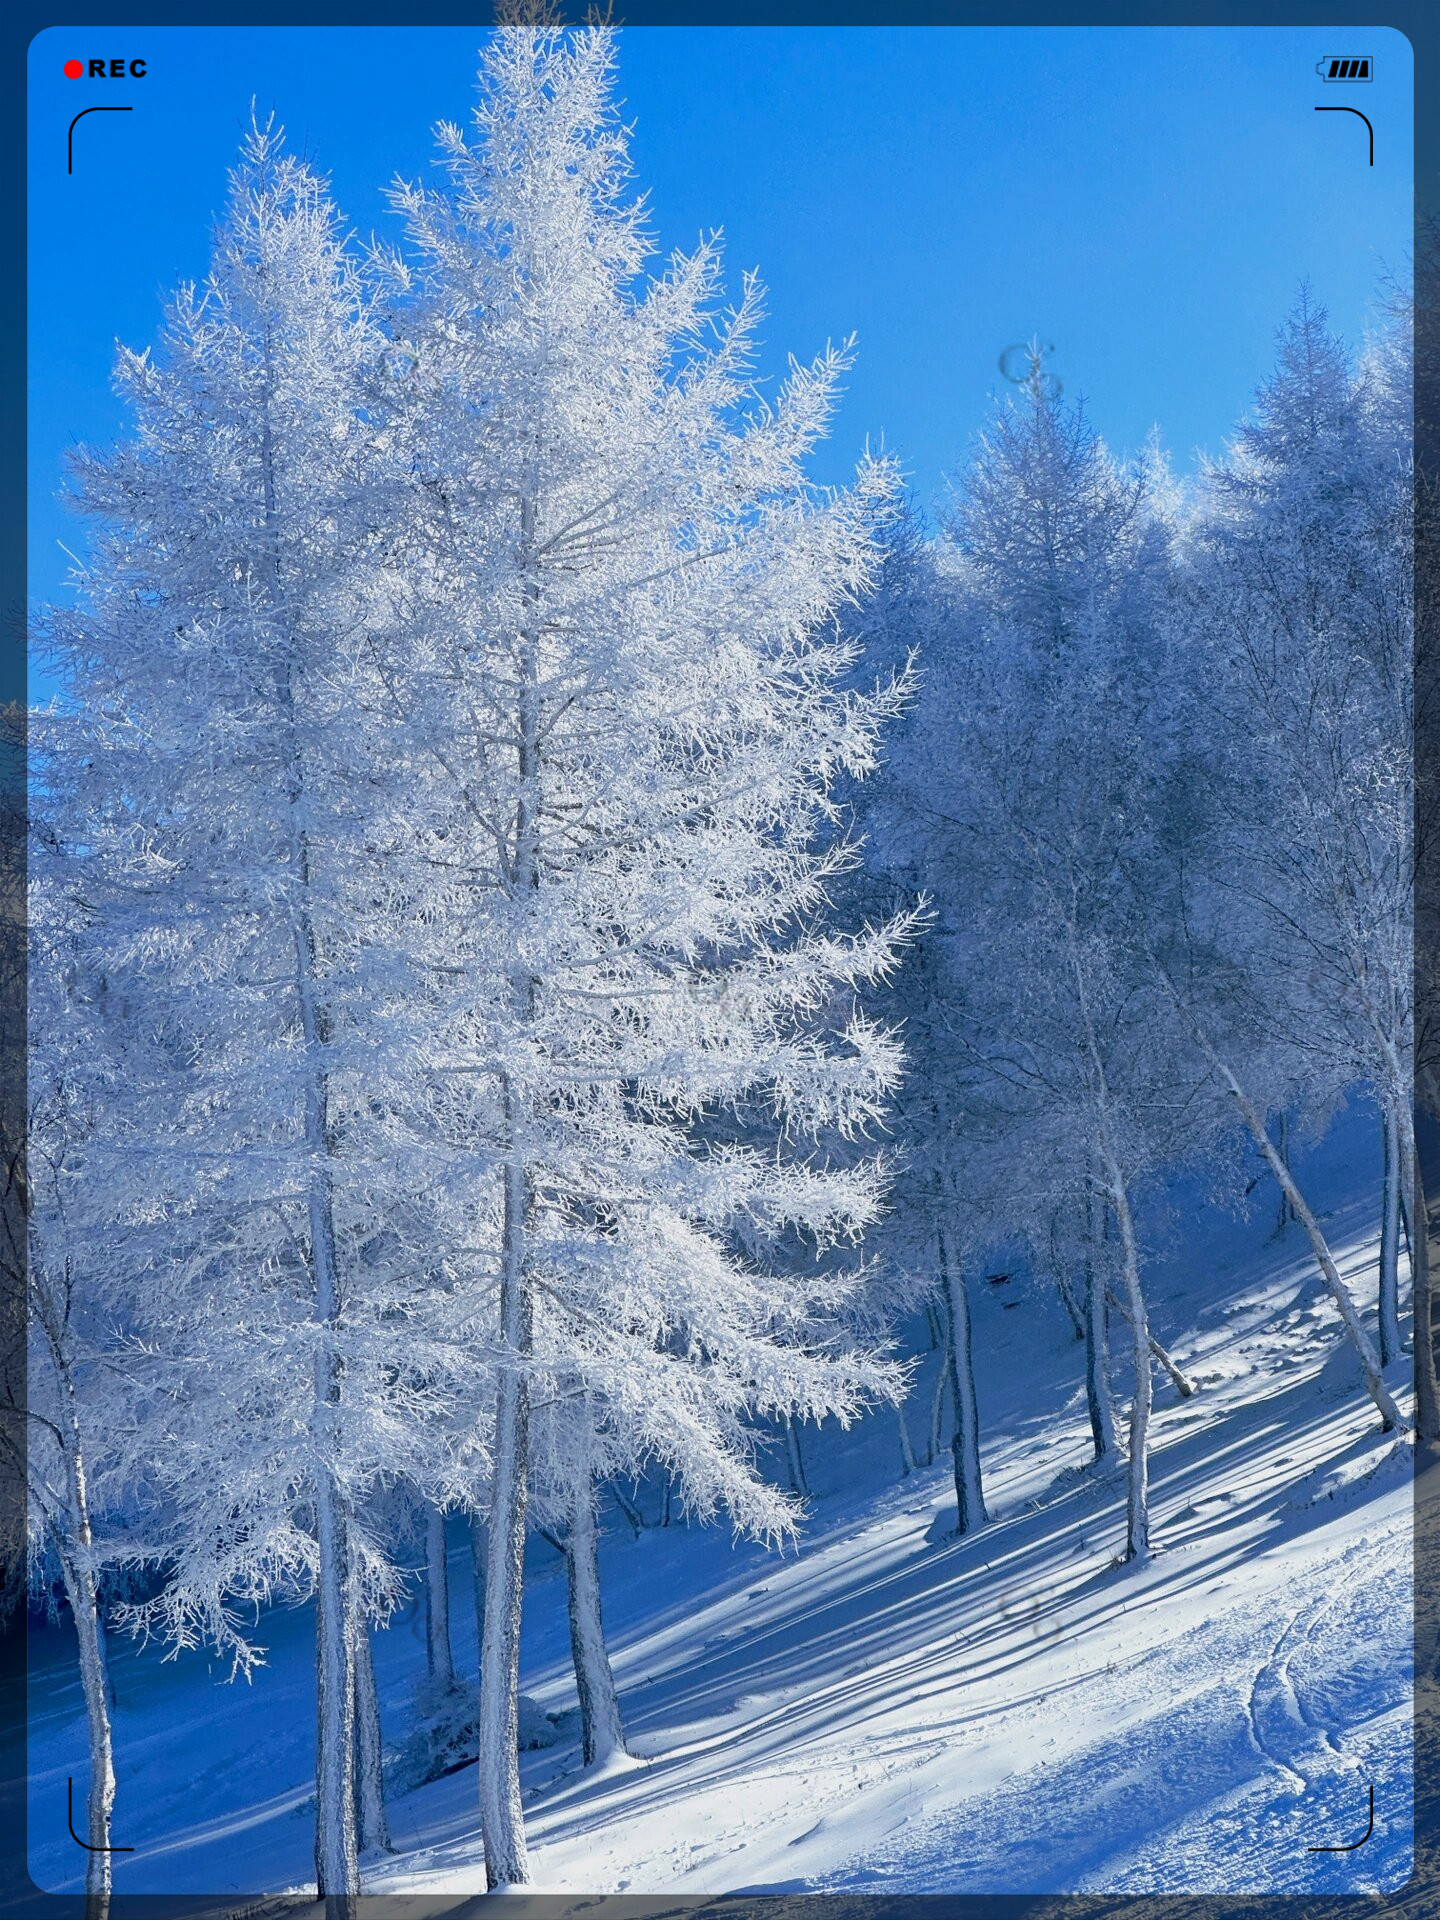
885	1711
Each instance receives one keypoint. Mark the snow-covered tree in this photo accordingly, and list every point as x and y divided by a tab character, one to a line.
13	1196
67	1415
1302	688
225	798
1050	1061
1426	313
929	1238
619	640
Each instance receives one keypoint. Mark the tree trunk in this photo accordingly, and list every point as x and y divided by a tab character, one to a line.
103	1638
1389	1292
94	1680
907	1452
1071	1304
438	1662
965	1441
1137	1499
477	1577
1287	1211
1427	1395
936	1442
74	1543
932	1322
601	1732
372	1826
1181	1380
1062	1283
627	1506
798	1483
1097	1350
1339	1292
337	1867
502	1817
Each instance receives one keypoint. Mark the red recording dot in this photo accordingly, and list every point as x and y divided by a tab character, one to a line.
74	69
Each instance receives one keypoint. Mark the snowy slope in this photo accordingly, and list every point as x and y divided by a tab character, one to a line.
892	1709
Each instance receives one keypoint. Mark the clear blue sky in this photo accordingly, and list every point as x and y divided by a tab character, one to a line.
1146	198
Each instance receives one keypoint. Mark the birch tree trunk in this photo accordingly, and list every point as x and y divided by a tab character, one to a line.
103	1640
1181	1380
80	1586
372	1826
601	1732
73	1537
1098	1399
438	1661
1389	1293
965	1442
1287	1211
907	1452
1137	1499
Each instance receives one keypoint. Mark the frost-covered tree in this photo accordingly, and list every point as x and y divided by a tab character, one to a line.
1050	1055
1426	312
67	1414
1302	652
225	793
619	603
911	614
14	1558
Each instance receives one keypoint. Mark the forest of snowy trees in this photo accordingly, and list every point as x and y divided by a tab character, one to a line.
553	938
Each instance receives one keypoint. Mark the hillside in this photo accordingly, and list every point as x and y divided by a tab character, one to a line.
889	1708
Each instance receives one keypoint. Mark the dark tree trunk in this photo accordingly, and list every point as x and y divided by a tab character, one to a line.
965	1441
601	1733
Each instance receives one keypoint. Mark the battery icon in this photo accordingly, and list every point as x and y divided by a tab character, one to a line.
1344	66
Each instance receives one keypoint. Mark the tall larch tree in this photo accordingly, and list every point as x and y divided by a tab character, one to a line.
224	793
622	596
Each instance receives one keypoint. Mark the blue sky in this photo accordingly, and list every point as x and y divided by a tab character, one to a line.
1147	199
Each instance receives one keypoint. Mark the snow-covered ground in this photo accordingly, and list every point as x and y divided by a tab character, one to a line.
891	1709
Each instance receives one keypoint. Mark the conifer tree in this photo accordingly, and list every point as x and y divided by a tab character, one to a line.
621	644
1049	1062
1300	857
225	795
